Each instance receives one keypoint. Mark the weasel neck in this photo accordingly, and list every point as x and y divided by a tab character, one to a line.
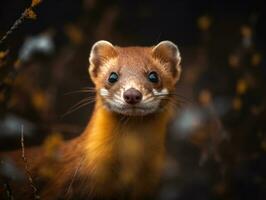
107	124
133	145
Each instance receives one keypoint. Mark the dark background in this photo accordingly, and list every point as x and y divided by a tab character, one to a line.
216	146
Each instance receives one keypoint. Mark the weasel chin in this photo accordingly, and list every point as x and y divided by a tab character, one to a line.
132	110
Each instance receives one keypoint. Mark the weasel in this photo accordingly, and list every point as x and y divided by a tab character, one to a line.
121	151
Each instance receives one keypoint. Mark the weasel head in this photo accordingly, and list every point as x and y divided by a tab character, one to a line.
135	81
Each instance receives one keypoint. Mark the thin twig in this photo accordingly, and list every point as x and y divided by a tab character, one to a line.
8	190
27	13
14	26
26	165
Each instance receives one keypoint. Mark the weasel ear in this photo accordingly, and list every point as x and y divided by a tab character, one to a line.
168	54
100	53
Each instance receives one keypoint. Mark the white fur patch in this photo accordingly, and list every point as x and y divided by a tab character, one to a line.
104	92
162	92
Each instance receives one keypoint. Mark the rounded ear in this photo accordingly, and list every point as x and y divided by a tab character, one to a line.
168	54
100	53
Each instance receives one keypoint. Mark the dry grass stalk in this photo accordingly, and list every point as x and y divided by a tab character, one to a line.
27	168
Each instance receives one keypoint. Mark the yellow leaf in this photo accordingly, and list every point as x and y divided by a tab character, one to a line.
35	2
3	54
204	22
237	103
205	97
246	31
256	59
233	61
241	86
30	14
74	33
39	100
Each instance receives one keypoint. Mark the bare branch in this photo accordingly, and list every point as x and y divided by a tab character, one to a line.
27	168
14	26
27	13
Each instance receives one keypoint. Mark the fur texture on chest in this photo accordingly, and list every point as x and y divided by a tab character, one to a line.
123	153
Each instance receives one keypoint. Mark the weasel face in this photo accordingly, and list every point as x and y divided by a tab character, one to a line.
135	81
133	93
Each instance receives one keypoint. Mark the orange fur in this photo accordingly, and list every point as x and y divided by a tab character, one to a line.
133	145
117	156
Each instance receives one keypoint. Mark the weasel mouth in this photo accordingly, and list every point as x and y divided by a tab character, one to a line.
140	109
136	111
132	110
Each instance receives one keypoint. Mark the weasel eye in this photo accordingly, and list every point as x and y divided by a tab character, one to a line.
113	77
153	77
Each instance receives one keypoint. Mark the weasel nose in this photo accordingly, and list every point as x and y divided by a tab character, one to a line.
132	96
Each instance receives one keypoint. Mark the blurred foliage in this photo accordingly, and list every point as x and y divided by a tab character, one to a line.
216	144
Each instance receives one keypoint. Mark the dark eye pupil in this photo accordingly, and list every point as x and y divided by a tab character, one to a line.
153	77
113	77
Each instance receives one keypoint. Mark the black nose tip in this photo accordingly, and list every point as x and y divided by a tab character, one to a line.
132	96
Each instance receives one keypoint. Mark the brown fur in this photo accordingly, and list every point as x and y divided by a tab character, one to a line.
116	157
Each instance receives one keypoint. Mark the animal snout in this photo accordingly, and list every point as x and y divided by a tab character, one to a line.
132	96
